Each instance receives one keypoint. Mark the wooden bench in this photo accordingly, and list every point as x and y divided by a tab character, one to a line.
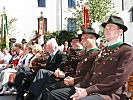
130	86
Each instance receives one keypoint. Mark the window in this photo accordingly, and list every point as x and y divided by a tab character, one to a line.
71	3
71	25
41	3
45	24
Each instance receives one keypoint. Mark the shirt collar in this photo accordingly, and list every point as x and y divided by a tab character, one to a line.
93	49
55	52
115	45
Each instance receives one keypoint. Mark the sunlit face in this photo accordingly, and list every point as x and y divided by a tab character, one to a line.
74	43
5	51
17	49
49	48
26	50
13	52
66	43
112	32
87	39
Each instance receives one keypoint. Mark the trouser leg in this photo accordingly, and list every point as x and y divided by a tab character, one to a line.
19	78
39	81
49	87
61	94
92	97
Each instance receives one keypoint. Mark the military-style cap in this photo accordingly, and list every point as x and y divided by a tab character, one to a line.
76	36
24	41
91	31
116	20
12	40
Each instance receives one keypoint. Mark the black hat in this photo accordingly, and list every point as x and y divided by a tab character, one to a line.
91	31
24	41
116	20
76	36
12	40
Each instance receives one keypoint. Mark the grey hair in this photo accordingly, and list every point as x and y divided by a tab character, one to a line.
53	43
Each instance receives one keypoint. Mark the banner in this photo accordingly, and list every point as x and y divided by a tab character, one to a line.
40	30
86	18
4	32
41	26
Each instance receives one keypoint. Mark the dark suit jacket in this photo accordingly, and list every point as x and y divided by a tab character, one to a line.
110	72
57	62
46	76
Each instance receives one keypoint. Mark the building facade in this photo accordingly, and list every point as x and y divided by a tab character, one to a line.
125	10
56	14
27	13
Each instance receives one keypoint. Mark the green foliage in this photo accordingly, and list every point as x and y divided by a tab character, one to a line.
61	36
98	11
48	35
64	36
11	27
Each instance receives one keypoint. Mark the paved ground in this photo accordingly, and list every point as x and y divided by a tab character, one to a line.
8	97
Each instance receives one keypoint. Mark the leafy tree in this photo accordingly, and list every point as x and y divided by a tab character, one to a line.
61	36
11	27
98	11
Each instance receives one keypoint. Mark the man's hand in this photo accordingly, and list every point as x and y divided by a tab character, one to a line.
69	81
80	93
59	74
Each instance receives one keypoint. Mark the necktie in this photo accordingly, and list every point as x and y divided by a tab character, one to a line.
52	56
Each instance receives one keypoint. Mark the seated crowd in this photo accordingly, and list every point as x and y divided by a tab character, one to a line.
82	71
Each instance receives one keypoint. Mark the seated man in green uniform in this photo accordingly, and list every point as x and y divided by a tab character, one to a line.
88	40
110	70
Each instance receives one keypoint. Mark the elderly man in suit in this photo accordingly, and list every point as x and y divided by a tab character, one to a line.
55	61
110	70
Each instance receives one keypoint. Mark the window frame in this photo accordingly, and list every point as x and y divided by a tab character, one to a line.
70	23
40	4
71	3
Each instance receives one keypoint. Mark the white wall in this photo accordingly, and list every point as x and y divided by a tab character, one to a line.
26	18
26	12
